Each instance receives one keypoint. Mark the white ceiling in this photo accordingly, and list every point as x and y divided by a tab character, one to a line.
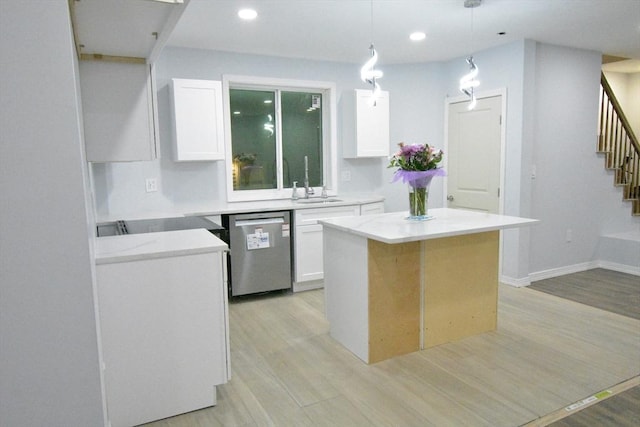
341	30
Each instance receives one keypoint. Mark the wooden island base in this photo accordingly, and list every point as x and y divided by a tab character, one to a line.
460	294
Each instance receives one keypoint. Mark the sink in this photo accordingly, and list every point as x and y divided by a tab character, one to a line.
318	200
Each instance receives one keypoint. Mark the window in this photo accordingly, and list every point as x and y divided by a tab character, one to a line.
276	128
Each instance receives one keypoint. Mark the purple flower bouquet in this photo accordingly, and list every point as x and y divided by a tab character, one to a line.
417	164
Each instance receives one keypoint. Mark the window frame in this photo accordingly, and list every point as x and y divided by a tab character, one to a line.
329	124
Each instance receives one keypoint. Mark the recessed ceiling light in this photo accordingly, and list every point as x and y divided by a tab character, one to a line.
268	101
236	113
247	14
417	36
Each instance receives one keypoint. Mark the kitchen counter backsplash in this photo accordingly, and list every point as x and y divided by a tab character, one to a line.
221	207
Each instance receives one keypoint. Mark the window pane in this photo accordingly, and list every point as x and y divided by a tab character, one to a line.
253	135
301	136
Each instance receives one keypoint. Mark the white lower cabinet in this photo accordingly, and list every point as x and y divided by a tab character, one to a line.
164	334
309	261
372	208
308	258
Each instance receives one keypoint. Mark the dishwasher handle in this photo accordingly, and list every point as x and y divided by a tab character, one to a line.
261	221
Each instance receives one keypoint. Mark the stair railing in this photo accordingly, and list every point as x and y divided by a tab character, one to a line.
620	145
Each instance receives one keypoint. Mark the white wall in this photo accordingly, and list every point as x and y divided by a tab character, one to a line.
120	187
551	112
49	364
632	107
552	101
572	192
626	87
416	117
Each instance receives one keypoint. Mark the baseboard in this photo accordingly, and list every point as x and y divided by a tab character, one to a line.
307	286
569	269
561	271
622	268
516	283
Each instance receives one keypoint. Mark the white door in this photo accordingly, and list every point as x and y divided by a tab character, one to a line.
473	165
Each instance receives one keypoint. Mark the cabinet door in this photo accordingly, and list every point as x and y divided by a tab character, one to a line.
197	120
308	239
164	335
365	126
372	124
118	111
309	259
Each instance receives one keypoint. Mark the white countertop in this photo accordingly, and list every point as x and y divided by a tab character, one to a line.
394	227
132	247
222	207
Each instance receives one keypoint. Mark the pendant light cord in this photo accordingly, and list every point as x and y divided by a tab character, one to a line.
472	31
371	24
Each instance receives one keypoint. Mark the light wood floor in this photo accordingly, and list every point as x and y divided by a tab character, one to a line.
547	353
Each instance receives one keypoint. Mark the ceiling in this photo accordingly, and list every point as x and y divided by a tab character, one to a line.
341	30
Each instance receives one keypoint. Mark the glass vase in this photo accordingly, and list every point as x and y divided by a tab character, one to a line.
418	201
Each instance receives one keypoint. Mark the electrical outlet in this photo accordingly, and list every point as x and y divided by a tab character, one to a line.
346	176
151	185
569	235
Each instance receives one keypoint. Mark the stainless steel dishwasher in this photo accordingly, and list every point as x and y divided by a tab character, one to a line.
260	246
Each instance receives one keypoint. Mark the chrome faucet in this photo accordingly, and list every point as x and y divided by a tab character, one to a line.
308	191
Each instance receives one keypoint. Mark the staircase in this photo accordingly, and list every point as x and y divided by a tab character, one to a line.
619	144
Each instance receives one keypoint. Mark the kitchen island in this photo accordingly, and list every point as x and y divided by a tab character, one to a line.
395	286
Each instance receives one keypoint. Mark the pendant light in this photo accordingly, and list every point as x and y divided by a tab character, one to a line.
468	82
368	73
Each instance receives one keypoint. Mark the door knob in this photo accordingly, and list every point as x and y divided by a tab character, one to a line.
450	198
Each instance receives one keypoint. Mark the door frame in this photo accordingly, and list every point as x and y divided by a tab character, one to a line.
503	126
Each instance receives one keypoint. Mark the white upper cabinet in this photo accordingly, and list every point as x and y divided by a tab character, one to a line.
119	113
198	126
365	125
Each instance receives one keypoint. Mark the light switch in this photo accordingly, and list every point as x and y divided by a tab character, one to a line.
151	185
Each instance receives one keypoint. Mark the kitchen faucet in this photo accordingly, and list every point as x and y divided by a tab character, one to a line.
308	191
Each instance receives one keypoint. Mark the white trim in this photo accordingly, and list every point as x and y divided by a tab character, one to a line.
621	268
561	271
423	284
330	161
307	286
516	283
569	269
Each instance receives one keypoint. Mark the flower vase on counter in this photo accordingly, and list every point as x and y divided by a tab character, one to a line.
418	199
417	165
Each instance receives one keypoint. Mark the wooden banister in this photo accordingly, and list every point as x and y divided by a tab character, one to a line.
619	112
620	145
